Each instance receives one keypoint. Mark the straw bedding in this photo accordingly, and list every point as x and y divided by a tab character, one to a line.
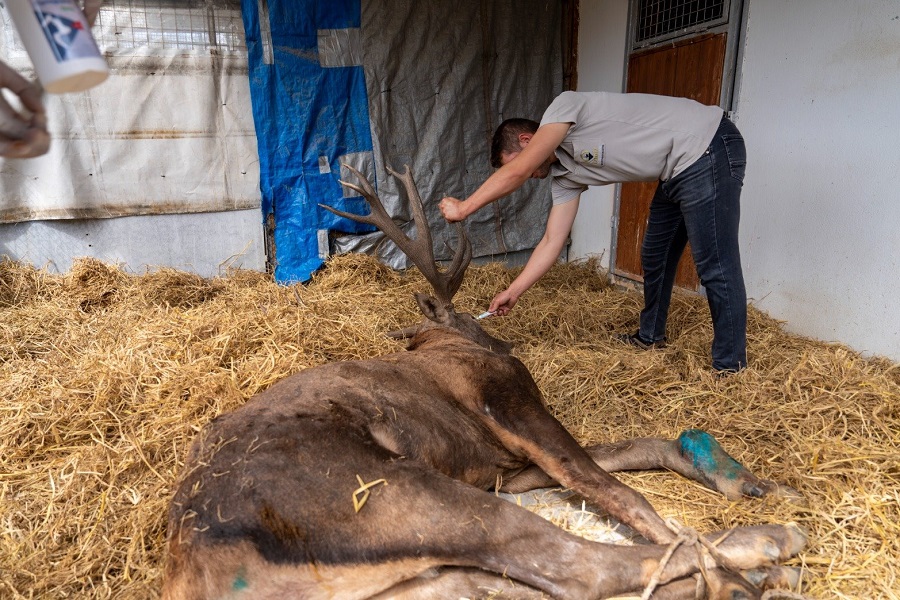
107	376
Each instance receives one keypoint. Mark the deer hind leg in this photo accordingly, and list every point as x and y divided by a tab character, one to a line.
695	454
716	584
475	584
698	455
460	526
719	584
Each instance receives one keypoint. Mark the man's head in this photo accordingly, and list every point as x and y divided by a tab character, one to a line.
507	139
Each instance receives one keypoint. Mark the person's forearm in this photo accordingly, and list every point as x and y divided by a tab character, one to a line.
502	183
546	253
536	152
544	256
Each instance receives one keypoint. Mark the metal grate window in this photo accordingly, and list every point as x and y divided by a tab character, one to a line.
662	18
180	24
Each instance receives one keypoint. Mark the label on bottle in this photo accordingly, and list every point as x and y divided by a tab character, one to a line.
65	28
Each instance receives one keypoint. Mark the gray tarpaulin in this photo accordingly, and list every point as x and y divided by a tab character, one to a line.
440	76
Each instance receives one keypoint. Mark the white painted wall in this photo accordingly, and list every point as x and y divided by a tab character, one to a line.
819	107
601	67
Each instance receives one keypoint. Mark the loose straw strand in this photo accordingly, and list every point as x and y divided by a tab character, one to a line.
683	535
688	536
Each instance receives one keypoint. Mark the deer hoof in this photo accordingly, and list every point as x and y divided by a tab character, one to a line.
765	487
724	585
718	470
760	545
776	577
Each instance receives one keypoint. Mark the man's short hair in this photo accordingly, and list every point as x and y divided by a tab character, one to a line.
506	138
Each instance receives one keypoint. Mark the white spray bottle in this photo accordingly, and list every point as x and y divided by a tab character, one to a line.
58	39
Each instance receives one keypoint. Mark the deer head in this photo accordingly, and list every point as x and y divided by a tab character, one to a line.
438	309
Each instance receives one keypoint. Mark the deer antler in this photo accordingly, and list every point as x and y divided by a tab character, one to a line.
419	250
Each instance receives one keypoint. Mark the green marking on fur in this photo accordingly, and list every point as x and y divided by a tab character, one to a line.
239	582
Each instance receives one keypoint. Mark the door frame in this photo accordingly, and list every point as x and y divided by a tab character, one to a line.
735	27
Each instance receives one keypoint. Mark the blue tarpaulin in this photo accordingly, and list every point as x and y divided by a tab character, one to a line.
307	116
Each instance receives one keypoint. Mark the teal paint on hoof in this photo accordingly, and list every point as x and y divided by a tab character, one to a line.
708	456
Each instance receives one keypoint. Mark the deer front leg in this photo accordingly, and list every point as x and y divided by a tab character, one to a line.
694	454
478	584
718	584
529	430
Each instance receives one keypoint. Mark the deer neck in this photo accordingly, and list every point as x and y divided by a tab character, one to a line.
437	336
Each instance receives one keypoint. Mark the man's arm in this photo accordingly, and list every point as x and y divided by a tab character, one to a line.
544	256
510	176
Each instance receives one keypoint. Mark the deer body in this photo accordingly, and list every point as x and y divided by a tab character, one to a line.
367	479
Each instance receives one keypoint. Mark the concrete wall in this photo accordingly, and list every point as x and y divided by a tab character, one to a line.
819	83
202	243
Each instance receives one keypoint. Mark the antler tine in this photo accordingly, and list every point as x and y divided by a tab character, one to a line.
419	250
423	231
378	216
461	259
445	283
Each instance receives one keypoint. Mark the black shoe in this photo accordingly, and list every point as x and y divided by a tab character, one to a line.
724	373
636	341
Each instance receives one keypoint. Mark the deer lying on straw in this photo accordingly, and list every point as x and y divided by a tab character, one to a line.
370	479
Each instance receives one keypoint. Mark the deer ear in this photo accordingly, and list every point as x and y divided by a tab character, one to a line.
432	308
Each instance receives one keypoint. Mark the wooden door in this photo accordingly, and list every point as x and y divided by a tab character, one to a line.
691	69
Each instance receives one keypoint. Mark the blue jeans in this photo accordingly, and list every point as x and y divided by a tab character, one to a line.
701	205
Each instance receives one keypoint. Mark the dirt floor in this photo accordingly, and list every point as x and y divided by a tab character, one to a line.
106	377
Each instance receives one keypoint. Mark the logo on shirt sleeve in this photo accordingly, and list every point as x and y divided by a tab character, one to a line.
591	156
